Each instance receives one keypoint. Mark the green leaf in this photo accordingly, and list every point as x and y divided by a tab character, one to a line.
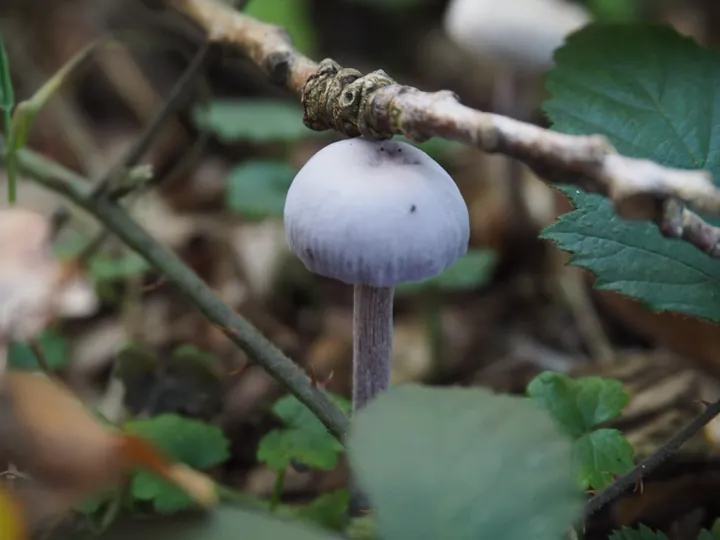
54	346
652	93
642	533
463	463
224	523
632	258
579	405
471	271
304	438
188	441
105	268
713	534
293	15
601	455
362	528
257	121
7	95
257	189
328	511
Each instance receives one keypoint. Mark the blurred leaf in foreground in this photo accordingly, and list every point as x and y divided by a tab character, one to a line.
258	121
257	189
12	523
303	438
499	466
224	523
196	444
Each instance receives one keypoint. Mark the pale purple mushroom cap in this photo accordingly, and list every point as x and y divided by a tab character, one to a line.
375	213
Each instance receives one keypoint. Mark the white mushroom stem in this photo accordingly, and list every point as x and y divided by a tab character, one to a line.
372	342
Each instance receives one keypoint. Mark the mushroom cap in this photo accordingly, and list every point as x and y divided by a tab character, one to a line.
375	213
523	34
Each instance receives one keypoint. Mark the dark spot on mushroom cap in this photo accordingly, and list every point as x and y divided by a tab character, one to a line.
310	254
412	209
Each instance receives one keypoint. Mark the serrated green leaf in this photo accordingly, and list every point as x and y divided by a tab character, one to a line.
602	454
469	272
257	121
328	510
188	441
224	523
652	93
579	405
257	189
463	463
632	258
304	438
55	349
642	533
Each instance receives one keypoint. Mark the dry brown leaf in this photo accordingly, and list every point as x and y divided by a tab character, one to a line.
34	286
47	432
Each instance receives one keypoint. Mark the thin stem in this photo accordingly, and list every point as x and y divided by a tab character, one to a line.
372	342
258	348
149	134
656	459
40	357
277	490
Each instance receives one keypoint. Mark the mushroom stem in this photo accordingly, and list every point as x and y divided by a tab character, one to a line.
372	342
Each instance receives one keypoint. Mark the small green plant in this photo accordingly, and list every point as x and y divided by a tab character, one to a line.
580	406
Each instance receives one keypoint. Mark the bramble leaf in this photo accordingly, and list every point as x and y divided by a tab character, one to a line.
652	93
196	444
304	438
642	533
579	405
492	461
257	189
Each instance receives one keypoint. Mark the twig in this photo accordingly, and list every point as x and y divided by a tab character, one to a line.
375	106
40	357
240	331
652	462
136	152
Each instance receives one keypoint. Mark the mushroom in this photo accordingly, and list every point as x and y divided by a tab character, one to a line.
521	35
374	215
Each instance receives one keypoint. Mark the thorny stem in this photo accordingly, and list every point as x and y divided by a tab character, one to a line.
258	348
372	342
656	459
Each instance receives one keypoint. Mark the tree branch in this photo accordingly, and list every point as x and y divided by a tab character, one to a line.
239	330
376	107
652	462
